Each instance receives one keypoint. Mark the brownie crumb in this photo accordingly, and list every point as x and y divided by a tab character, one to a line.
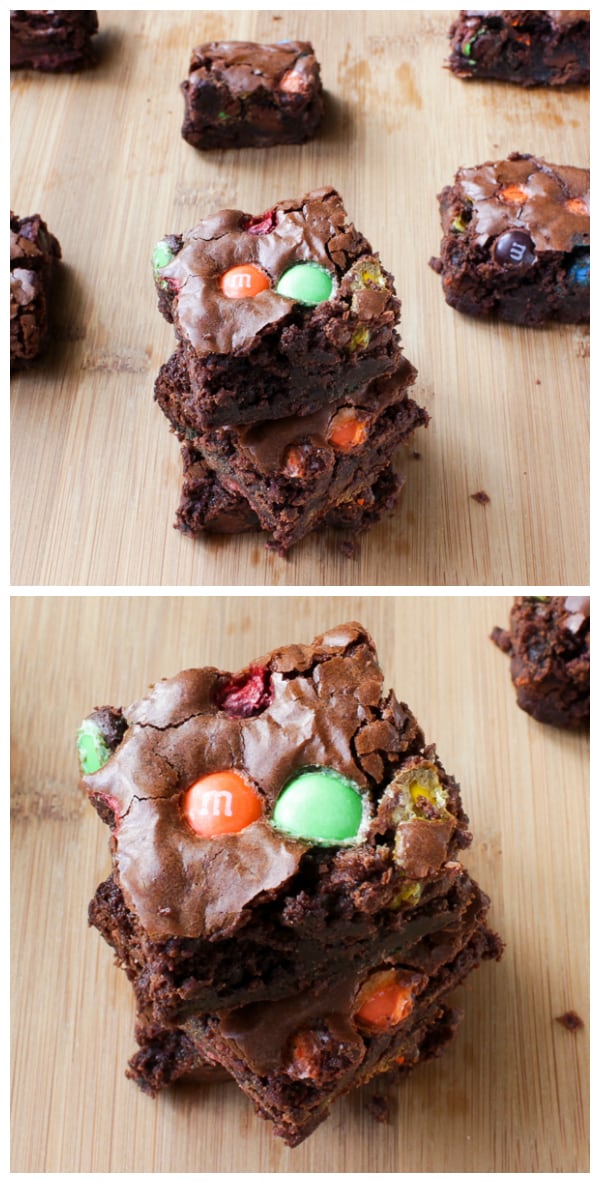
481	497
348	549
378	1107
570	1020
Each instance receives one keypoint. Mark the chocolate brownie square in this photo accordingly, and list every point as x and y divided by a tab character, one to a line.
34	253
532	48
516	241
242	95
286	894
293	471
206	506
277	314
548	641
52	41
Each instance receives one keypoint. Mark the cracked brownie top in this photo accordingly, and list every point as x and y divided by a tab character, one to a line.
233	277
225	791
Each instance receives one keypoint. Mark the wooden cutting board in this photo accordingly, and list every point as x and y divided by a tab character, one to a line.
95	473
511	1092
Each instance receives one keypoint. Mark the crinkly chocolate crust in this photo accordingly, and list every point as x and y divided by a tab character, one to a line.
240	94
516	241
543	48
34	252
52	41
271	355
548	641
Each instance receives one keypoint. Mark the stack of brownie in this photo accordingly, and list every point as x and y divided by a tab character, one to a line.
52	40
288	390
286	895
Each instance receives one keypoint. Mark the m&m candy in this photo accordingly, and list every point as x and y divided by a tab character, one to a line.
308	283
346	430
221	803
321	806
161	256
92	749
245	280
513	194
579	271
514	248
577	205
384	1000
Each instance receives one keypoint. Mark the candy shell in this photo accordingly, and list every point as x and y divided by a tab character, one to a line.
384	1000
320	805
92	748
161	256
221	803
242	281
308	283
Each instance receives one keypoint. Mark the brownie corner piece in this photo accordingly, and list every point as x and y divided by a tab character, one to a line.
52	41
516	241
548	642
241	94
286	894
530	48
34	254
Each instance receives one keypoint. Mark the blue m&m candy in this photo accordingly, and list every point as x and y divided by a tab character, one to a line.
320	805
579	271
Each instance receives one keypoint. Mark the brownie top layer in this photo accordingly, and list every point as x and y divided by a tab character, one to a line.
301	710
246	66
550	202
314	230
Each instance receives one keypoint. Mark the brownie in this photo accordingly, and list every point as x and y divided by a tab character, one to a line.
318	320
548	641
207	506
34	253
286	894
547	48
242	95
516	241
52	41
292	471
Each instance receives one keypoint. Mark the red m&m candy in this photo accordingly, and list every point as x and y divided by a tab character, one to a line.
244	280
221	803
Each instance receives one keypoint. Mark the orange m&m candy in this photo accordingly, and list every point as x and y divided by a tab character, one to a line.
221	803
513	193
577	205
346	430
242	281
385	999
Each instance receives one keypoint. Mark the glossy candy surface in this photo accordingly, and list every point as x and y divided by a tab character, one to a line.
384	1000
308	283
579	271
346	431
221	803
514	248
320	805
245	280
92	748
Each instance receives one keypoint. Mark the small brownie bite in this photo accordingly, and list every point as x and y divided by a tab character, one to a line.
34	253
548	641
52	41
286	896
516	241
531	48
242	95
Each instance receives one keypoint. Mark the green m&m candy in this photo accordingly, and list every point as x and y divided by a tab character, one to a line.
161	256
308	283
320	805
92	748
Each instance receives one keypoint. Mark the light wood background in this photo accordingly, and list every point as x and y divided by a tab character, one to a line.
95	473
511	1092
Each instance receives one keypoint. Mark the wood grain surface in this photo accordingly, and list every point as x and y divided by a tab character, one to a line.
511	1092
95	471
